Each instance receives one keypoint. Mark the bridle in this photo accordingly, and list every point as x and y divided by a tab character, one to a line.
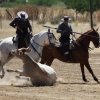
48	39
41	45
90	48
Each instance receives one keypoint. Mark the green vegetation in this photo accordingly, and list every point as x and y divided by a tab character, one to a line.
13	3
82	6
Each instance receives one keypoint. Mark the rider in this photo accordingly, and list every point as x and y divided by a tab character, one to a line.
65	29
22	24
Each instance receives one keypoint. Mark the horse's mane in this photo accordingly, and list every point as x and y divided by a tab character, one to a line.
41	33
38	35
84	35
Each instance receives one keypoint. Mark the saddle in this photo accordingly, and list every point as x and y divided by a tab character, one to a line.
15	40
71	44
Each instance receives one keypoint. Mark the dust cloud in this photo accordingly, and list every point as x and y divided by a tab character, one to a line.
14	79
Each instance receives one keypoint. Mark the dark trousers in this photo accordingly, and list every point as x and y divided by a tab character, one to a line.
65	42
21	40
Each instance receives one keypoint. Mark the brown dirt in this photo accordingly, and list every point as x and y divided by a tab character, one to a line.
69	86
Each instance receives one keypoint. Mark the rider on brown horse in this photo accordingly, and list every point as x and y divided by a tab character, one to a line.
65	30
22	24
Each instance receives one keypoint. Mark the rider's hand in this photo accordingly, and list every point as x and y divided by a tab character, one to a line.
64	31
73	35
17	27
31	34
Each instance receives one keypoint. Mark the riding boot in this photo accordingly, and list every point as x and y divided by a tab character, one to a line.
68	57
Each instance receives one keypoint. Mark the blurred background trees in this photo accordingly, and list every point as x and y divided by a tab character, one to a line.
36	7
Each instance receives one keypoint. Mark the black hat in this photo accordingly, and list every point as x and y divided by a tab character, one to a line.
65	18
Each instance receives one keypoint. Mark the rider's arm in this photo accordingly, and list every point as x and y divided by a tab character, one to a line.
71	31
59	29
13	23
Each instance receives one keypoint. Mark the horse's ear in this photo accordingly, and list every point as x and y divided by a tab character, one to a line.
93	29
97	29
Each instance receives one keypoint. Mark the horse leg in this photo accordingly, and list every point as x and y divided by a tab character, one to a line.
42	61
1	69
17	71
3	61
90	70
49	62
82	70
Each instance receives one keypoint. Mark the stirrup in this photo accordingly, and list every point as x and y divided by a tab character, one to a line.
66	53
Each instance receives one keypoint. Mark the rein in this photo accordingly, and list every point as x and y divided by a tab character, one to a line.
90	48
41	45
86	35
73	32
37	51
48	38
37	44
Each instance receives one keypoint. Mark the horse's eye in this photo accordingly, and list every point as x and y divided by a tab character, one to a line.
50	37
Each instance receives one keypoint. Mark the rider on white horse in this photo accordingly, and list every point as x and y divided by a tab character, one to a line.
22	24
36	45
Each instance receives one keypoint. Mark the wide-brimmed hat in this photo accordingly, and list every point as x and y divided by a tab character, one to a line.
65	18
22	14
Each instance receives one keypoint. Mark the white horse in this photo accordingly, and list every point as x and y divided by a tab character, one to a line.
36	45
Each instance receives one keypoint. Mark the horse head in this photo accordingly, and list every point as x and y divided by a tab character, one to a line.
19	52
95	37
49	37
91	35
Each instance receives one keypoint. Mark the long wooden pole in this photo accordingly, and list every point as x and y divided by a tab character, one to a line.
91	13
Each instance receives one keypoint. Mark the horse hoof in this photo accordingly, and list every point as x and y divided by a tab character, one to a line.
8	70
98	82
85	81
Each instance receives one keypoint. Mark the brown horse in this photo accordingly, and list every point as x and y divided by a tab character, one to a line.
79	54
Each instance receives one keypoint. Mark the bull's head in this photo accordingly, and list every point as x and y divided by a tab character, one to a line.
20	52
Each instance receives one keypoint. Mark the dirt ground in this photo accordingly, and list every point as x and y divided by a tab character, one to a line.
69	85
